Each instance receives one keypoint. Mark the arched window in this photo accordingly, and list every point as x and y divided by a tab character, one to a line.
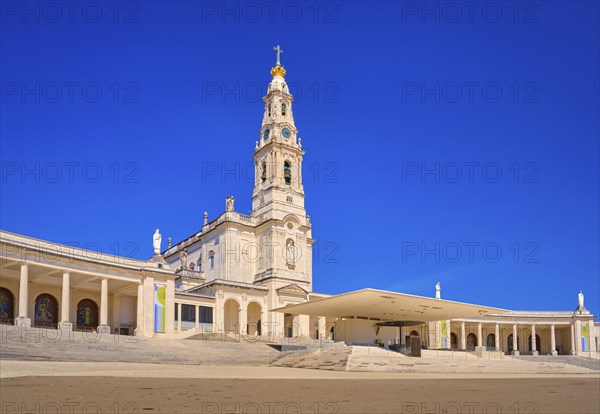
199	264
453	341
283	109
269	109
211	258
263	172
491	342
7	306
471	342
287	173
46	311
87	315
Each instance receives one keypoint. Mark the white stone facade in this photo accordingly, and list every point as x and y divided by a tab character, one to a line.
228	276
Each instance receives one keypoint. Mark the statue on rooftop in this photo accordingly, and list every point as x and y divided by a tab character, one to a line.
156	240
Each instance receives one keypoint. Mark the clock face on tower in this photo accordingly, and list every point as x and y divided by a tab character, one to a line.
266	134
286	132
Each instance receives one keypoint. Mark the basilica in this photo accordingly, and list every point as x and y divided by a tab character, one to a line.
250	276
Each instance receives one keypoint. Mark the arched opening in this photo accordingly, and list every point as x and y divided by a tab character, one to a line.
332	334
263	172
46	311
537	343
471	342
287	172
232	315
253	327
453	341
509	343
87	315
269	109
490	342
7	306
283	109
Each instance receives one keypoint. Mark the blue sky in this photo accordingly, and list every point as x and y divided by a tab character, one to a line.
448	144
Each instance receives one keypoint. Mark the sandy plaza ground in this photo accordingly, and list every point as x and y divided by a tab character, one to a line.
48	387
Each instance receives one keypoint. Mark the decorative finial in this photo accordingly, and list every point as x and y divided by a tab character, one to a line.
278	70
169	243
279	51
256	145
205	218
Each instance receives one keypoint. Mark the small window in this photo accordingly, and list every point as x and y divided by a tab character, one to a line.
269	109
211	257
283	109
287	173
199	265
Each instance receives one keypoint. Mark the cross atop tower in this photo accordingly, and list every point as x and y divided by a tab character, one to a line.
279	51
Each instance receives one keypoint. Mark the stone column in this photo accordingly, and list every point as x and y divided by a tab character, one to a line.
515	341
497	337
243	319
140	310
65	304
573	351
103	327
552	340
463	336
23	319
179	317
448	335
197	317
304	321
534	350
479	335
322	328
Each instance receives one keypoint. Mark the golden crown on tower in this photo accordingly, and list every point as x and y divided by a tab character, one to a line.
278	70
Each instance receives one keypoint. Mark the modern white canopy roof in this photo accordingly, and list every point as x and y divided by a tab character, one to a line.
390	306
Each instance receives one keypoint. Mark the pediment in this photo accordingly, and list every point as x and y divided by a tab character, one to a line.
292	290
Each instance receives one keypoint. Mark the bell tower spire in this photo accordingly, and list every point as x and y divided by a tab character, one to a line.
278	152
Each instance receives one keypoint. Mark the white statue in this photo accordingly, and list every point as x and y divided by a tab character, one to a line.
438	290
290	253
580	300
205	218
229	200
156	240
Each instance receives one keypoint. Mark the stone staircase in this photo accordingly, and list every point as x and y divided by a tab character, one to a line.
52	345
372	359
579	361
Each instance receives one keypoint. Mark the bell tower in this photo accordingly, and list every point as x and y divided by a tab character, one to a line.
278	189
